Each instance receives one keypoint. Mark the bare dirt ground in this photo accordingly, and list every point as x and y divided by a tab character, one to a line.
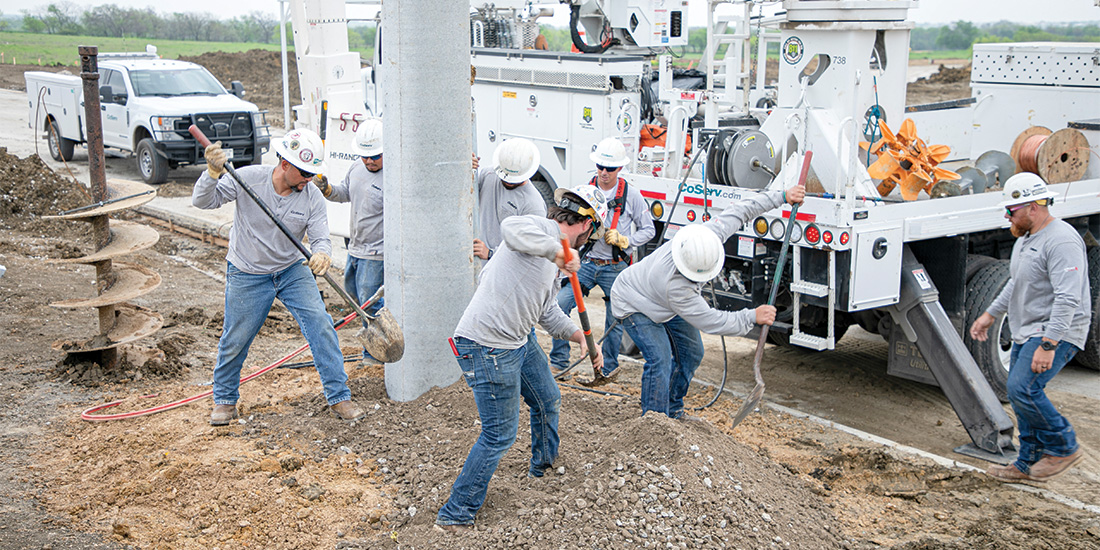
289	475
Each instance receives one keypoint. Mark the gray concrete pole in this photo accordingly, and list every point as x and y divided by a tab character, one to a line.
429	195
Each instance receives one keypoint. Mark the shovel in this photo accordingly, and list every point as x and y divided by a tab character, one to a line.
392	344
757	393
586	327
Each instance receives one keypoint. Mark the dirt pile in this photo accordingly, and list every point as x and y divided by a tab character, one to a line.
261	73
950	75
29	190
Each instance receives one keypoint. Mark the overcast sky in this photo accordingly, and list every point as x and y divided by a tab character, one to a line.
930	11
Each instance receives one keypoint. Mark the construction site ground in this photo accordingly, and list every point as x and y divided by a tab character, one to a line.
290	475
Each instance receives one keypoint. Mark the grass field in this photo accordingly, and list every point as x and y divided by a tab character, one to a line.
47	49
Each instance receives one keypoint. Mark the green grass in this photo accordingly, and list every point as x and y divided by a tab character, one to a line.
941	54
48	49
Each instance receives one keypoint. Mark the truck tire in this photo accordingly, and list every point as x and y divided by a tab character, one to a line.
1090	356
975	262
992	355
545	188
152	165
60	148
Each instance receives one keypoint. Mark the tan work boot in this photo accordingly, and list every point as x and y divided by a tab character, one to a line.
1050	467
1009	473
222	415
347	410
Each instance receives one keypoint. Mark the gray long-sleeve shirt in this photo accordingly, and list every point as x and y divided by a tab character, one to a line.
496	202
518	288
363	189
635	223
256	245
656	289
1048	292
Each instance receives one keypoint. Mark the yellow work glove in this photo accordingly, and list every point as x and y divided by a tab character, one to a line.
215	160
319	263
613	238
322	183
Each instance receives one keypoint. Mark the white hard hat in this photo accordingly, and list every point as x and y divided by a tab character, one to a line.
594	203
368	138
611	153
302	148
516	160
1025	187
697	252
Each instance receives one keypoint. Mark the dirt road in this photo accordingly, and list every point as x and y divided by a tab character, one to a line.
291	476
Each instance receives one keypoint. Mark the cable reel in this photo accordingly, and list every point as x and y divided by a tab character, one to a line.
741	158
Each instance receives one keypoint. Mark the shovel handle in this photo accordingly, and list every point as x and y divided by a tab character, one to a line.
205	142
586	327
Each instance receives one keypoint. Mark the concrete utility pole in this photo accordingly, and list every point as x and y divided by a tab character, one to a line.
429	194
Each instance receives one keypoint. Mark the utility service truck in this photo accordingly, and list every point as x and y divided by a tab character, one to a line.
147	105
902	232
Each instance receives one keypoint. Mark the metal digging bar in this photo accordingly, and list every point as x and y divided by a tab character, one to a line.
205	142
567	254
758	391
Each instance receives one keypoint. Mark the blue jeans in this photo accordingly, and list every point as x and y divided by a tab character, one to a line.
248	300
672	351
499	378
1042	429
362	278
589	276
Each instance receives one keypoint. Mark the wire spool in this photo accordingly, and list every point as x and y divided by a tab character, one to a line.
741	159
1057	158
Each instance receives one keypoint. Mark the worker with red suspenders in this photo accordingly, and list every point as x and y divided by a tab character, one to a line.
629	225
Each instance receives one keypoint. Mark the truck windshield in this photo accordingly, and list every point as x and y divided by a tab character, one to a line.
175	83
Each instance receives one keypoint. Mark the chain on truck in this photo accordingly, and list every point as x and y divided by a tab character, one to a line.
147	105
901	233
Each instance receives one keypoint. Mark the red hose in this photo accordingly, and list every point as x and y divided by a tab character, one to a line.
90	417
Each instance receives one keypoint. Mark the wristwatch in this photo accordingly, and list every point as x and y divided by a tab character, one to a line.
1048	346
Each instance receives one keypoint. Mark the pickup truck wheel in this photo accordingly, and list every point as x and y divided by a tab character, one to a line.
992	355
153	166
1090	356
60	148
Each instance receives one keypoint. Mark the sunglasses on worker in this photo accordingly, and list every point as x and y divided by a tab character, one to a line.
374	157
305	174
1010	210
601	168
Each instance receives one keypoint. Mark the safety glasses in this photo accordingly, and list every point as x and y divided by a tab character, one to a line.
374	157
305	174
1010	210
600	168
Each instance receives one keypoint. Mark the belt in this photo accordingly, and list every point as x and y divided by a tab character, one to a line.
598	261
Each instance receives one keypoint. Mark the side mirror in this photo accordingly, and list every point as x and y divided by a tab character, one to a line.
236	88
106	94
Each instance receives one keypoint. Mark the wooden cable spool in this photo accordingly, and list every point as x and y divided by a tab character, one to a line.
1058	157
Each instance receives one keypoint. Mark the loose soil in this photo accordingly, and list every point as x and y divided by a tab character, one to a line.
290	475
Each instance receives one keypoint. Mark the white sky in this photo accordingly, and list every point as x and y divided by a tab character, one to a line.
930	11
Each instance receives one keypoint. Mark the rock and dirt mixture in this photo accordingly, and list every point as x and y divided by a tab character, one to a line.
290	475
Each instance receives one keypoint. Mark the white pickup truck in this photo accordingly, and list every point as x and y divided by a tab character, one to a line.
147	104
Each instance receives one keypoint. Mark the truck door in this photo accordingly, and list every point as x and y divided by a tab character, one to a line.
115	113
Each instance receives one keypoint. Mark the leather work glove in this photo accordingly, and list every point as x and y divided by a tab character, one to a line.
321	181
215	160
613	238
319	263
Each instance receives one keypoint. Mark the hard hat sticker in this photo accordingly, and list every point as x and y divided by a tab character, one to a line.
306	155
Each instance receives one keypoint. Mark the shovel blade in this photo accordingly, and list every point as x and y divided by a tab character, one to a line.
382	337
750	404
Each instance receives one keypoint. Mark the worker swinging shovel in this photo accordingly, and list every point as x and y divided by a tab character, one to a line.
382	337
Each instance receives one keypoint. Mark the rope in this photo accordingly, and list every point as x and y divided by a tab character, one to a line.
871	129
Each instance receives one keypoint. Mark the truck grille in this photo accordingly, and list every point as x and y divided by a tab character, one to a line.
224	125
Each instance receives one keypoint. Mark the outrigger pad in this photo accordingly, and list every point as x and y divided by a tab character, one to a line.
382	337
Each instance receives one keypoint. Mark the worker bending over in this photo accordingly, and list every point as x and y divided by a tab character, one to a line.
660	304
263	264
500	362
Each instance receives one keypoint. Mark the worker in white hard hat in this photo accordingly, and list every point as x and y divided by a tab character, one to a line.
263	264
628	225
499	360
505	189
1047	299
660	304
362	186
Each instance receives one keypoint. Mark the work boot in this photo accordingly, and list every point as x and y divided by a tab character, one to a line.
347	410
1050	467
600	379
1009	473
454	529
222	415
